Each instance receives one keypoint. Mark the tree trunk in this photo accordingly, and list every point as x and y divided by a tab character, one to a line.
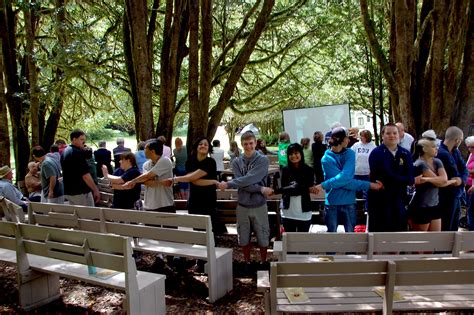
4	132
463	113
30	22
174	50
428	67
243	57
18	116
199	102
139	64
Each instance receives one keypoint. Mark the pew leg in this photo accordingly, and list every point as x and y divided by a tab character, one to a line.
38	289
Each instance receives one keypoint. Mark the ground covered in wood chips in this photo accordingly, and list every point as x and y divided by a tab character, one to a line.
186	291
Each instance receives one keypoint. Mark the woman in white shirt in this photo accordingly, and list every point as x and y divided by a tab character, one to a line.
362	150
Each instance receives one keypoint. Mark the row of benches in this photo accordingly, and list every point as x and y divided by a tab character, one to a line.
106	238
180	235
383	285
379	245
43	254
340	271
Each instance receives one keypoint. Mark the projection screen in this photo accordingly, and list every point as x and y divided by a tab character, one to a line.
303	122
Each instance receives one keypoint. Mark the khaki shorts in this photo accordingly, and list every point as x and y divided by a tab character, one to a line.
255	219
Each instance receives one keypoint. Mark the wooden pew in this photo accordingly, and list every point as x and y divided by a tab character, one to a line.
43	254
346	286
183	235
376	245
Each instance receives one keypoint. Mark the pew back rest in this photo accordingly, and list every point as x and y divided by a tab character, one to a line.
100	250
170	227
412	243
466	243
434	271
8	235
322	243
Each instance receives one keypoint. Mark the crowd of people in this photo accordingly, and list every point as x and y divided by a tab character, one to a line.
417	185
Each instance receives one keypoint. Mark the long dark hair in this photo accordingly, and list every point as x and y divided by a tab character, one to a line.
295	147
194	148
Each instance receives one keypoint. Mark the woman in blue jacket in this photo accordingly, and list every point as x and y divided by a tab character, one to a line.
339	166
393	166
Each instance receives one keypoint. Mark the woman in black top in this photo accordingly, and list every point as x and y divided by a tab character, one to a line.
296	180
124	198
201	174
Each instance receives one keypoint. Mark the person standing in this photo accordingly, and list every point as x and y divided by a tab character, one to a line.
296	180
79	186
124	198
450	196
50	174
307	152
318	148
362	150
158	196
234	151
423	210
140	155
470	182
33	182
392	165
166	149
180	154
338	165
118	150
201	174
283	143
251	170
406	139
218	156
103	156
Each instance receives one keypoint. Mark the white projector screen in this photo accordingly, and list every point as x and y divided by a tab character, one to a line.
303	122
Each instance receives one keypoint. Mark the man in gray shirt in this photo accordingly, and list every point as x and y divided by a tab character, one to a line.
52	190
250	171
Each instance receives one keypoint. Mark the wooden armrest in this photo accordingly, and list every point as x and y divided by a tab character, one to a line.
263	280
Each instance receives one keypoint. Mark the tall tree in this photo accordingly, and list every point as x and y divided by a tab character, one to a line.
138	41
200	75
173	52
4	131
16	107
424	68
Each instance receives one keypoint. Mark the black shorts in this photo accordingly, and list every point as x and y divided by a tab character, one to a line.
424	215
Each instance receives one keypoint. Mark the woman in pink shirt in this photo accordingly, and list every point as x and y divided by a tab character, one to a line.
469	184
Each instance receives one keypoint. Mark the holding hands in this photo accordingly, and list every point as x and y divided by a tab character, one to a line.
316	189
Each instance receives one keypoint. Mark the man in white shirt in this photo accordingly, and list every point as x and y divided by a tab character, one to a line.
218	156
158	197
406	139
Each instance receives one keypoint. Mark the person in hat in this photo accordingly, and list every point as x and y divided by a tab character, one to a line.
338	165
9	191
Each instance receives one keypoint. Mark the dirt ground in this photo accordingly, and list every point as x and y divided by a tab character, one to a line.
186	292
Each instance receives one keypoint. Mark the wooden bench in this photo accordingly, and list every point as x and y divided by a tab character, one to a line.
183	235
377	245
43	254
347	286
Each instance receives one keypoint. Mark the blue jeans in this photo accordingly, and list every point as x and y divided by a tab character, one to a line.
345	214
